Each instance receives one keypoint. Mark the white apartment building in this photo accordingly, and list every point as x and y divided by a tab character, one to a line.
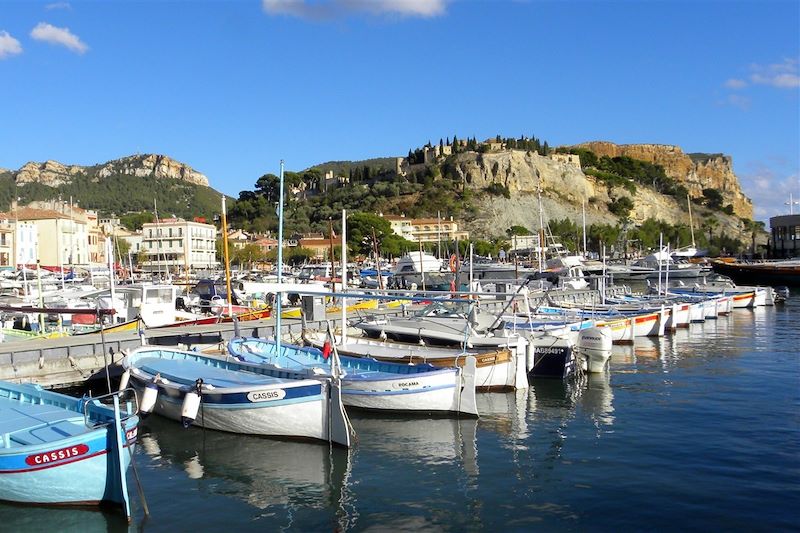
26	242
174	244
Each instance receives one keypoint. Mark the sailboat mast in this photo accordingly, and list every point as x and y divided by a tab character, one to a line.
333	263
691	222
583	211
225	253
344	276
541	225
279	295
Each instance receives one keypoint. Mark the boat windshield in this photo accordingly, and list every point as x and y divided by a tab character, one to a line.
446	309
161	295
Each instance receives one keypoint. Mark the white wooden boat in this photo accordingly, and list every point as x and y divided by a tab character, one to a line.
369	383
237	397
59	450
499	367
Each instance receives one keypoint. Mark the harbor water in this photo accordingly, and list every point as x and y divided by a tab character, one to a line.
699	430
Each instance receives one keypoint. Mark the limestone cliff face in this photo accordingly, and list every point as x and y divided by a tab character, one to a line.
50	173
564	188
522	172
54	174
695	171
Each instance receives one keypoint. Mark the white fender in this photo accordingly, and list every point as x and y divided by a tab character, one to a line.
148	399
124	380
466	393
521	364
190	407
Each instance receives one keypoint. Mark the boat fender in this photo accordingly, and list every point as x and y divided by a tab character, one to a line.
191	404
123	381
148	399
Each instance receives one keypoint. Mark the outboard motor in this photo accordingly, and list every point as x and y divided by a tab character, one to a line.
595	345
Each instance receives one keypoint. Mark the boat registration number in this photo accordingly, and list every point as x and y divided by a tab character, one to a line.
266	395
56	455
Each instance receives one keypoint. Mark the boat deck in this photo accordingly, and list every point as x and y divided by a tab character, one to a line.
186	372
25	424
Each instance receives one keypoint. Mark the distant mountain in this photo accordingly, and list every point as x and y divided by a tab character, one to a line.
119	186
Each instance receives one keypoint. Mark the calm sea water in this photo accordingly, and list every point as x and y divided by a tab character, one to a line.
699	430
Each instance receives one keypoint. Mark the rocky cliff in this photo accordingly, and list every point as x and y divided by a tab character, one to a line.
565	188
695	171
55	174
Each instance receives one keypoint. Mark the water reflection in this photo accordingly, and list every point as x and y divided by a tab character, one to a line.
263	473
505	413
416	473
427	441
23	519
597	400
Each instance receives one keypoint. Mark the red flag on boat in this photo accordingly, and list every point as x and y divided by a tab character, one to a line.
327	349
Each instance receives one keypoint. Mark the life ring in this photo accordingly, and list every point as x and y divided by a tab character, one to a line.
453	263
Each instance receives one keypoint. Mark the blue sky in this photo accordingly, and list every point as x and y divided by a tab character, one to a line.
232	87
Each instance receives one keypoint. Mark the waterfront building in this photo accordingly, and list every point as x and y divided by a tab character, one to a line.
175	244
55	238
266	244
6	244
321	246
426	229
784	236
238	239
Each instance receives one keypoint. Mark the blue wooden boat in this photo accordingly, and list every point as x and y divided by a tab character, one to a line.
60	450
371	384
237	397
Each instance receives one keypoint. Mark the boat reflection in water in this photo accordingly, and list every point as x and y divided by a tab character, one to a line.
397	458
270	475
424	441
23	519
505	413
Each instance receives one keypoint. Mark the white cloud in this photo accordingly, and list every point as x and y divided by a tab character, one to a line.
58	5
737	100
783	75
327	9
735	83
769	189
8	45
61	36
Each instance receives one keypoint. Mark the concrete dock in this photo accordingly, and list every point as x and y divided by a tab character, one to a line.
71	361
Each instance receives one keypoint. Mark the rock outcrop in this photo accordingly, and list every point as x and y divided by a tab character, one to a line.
523	172
565	187
54	174
695	171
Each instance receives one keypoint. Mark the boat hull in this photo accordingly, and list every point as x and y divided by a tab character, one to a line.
238	397
87	479
496	370
305	419
372	384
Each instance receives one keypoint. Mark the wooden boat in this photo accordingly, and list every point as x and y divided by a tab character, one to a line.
253	314
358	306
237	397
767	273
371	384
498	368
60	450
621	329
